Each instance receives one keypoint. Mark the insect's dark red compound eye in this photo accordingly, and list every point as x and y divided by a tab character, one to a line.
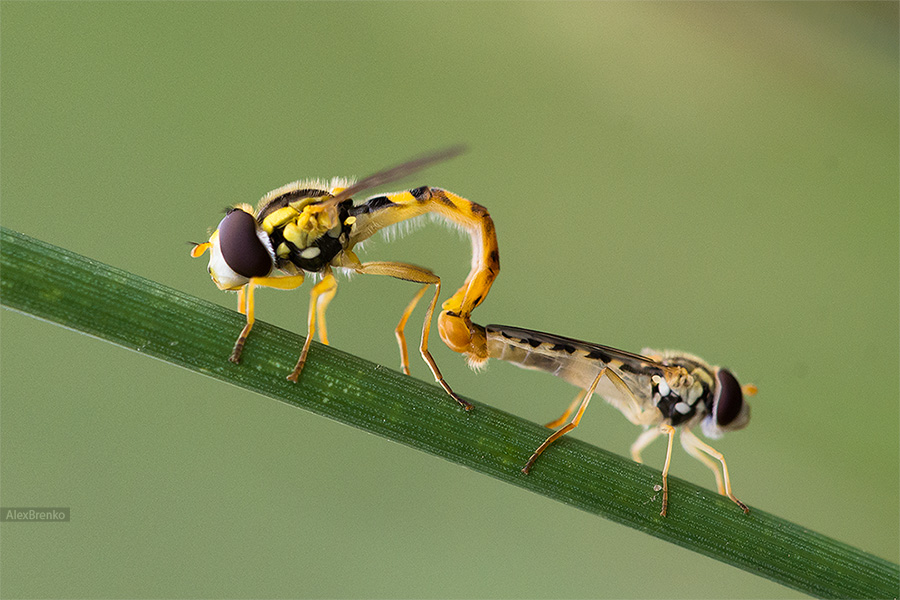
729	399
242	250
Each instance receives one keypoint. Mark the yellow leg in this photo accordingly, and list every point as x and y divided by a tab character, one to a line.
669	431
642	442
687	442
423	350
688	438
326	287
245	305
566	428
242	306
399	331
416	274
559	421
632	411
321	305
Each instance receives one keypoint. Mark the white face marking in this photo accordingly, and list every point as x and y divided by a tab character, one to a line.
222	275
311	252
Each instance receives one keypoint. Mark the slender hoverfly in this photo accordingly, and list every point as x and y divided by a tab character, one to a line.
660	391
313	226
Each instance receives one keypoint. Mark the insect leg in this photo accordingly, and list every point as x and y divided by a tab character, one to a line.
632	409
399	330
688	445
327	288
321	305
245	305
242	306
416	274
642	442
568	427
559	421
687	437
669	431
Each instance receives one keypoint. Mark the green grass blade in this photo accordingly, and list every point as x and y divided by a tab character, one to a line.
56	285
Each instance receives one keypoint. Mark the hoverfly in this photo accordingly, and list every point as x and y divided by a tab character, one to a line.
313	226
661	391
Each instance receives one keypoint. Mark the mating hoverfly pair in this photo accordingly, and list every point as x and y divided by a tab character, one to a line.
312	227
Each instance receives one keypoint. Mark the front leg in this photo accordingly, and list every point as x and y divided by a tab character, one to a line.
245	305
643	441
693	444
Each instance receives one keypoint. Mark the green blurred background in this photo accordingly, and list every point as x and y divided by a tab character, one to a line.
719	178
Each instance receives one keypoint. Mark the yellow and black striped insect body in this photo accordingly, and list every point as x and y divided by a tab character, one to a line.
662	392
312	227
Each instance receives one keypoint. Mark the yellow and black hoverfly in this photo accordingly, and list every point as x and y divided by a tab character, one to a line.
313	226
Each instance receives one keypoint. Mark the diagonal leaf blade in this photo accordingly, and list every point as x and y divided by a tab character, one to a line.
59	286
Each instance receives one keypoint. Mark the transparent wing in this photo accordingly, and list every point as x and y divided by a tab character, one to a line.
395	173
551	344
